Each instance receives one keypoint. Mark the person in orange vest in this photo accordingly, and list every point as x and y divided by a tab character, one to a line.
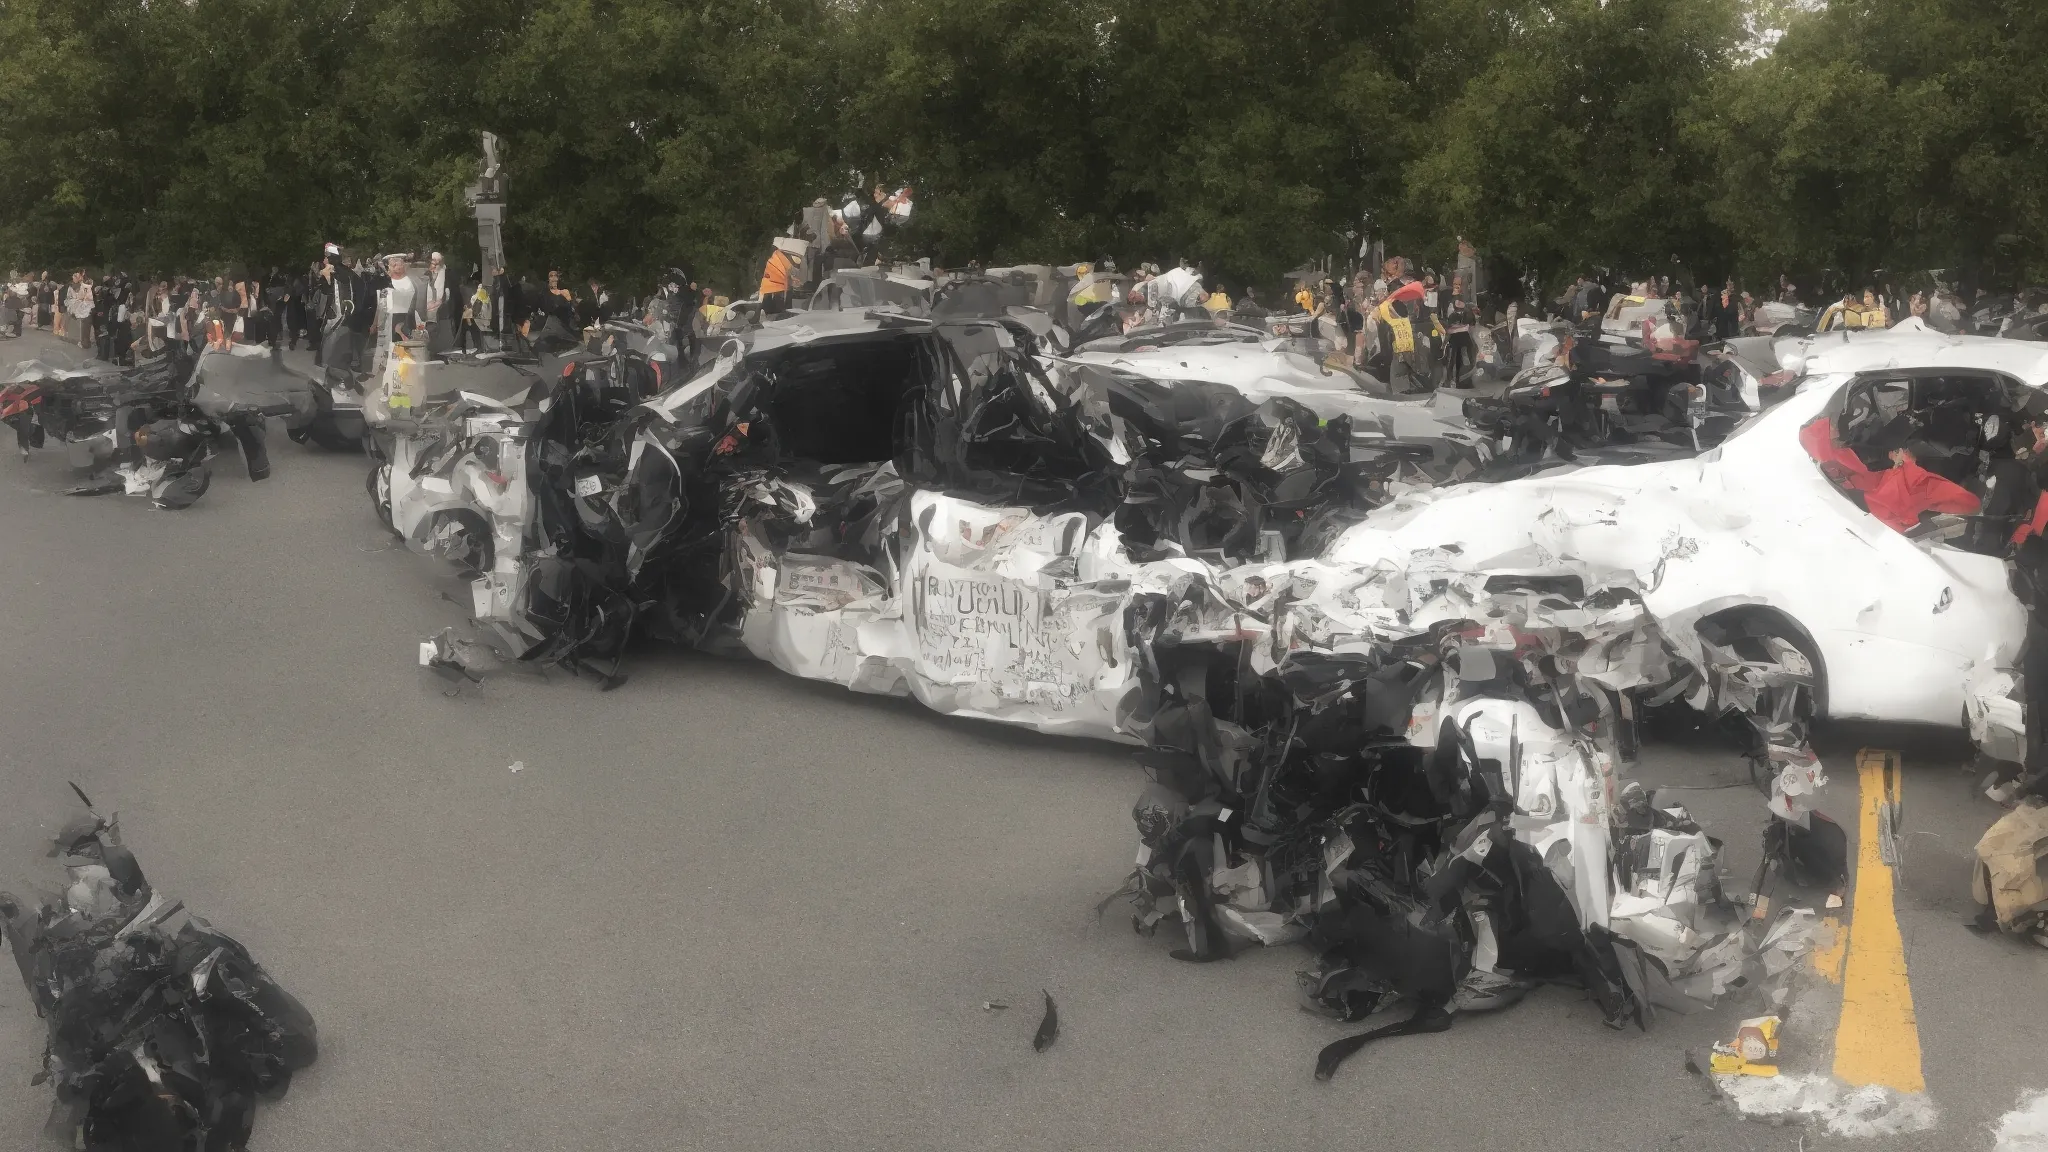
782	273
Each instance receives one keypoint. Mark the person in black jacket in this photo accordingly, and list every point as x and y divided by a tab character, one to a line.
105	301
349	312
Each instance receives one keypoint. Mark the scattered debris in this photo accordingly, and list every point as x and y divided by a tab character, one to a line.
1753	1052
152	430
163	1031
993	1006
518	766
1048	1028
2010	881
1418	769
1426	1018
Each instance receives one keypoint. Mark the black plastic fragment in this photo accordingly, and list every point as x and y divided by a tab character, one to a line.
1427	1018
1049	1027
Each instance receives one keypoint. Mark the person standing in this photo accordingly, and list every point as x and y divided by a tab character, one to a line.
1728	314
60	314
598	307
404	301
80	322
298	309
1404	331
103	317
349	310
441	305
1461	352
1467	273
277	303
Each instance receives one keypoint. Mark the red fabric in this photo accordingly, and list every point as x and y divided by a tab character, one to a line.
1839	463
2038	525
1898	494
1410	291
1904	491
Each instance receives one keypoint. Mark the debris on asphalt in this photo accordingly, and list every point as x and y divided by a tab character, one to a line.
162	1031
1427	1017
992	1006
1420	770
1048	1027
453	660
1753	1051
2009	883
153	429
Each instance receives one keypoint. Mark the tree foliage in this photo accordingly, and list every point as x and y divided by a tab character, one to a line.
1887	134
1250	135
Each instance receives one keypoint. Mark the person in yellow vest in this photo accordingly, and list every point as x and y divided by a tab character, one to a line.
1217	304
1407	327
1844	313
1875	314
783	272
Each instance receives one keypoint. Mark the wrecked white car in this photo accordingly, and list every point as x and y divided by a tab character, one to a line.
1756	539
894	503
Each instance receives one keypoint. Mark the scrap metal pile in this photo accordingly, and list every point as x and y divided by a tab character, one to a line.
889	502
163	1031
153	429
1418	770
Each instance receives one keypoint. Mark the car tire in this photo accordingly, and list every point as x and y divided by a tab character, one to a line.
378	484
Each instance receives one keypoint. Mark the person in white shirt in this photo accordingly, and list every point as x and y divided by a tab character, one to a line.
442	311
404	293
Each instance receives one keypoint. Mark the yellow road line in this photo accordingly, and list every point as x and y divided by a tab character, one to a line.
1830	948
1878	1040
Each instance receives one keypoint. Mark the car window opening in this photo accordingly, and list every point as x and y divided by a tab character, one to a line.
1930	456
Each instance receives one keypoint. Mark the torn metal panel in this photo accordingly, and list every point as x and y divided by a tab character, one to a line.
1417	767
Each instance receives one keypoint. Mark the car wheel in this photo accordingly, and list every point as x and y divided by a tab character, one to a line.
378	484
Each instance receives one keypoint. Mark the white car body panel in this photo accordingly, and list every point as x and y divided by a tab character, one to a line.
1897	624
1260	373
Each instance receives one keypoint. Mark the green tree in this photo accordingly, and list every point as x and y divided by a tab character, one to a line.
1887	134
1562	149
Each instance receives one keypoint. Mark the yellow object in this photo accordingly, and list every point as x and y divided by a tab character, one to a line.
1878	1040
1403	330
405	372
1753	1052
1830	949
1306	299
1217	302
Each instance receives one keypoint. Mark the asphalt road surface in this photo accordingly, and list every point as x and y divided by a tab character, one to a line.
722	908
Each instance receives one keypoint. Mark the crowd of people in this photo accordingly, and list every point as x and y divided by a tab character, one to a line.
330	307
1409	325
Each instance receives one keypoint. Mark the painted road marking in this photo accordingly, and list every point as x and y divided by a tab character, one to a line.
1878	1039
